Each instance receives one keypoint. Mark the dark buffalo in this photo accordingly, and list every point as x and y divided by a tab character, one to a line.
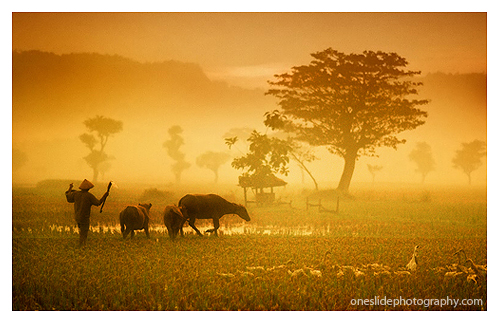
134	218
173	219
209	206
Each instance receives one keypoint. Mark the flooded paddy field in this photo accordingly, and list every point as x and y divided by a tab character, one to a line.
285	258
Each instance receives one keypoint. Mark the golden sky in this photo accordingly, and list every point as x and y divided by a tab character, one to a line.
246	48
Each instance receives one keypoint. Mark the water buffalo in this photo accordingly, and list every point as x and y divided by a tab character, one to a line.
209	206
135	218
173	219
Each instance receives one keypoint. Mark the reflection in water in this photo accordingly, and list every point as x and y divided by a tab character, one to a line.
237	229
223	230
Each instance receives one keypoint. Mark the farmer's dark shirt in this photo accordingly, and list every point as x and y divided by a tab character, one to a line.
83	200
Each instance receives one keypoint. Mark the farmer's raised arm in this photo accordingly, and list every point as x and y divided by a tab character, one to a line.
103	198
70	194
94	201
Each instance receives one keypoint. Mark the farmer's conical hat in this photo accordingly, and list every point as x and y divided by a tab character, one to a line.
86	185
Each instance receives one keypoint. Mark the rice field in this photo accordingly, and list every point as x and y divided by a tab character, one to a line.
286	258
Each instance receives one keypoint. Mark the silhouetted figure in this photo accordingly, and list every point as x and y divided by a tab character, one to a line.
208	207
83	201
135	218
173	219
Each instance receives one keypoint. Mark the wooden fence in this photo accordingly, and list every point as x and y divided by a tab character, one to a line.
321	208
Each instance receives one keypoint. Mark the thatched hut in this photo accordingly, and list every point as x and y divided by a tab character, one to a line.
258	185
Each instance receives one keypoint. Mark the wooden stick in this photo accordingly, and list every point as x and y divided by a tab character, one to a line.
109	187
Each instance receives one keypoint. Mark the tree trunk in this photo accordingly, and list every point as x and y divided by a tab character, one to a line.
345	180
216	172
304	168
96	174
311	176
424	175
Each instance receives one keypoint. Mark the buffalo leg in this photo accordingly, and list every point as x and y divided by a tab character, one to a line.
181	228
132	234
125	233
146	229
191	223
216	227
170	231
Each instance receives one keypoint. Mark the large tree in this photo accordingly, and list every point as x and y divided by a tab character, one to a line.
350	103
100	129
468	158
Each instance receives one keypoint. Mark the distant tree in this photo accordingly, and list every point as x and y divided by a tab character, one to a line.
373	169
422	156
104	168
19	159
239	132
266	157
173	146
350	103
212	161
468	158
100	129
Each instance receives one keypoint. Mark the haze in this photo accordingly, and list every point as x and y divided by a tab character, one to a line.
221	62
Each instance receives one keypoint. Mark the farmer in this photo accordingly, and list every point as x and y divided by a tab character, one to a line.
83	200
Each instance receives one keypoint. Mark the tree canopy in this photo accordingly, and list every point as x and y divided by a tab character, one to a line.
422	156
173	145
266	157
212	161
100	128
373	169
350	103
468	158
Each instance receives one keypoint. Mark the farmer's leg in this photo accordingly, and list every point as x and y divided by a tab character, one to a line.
84	230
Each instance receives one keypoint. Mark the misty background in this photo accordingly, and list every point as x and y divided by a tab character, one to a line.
54	94
207	73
